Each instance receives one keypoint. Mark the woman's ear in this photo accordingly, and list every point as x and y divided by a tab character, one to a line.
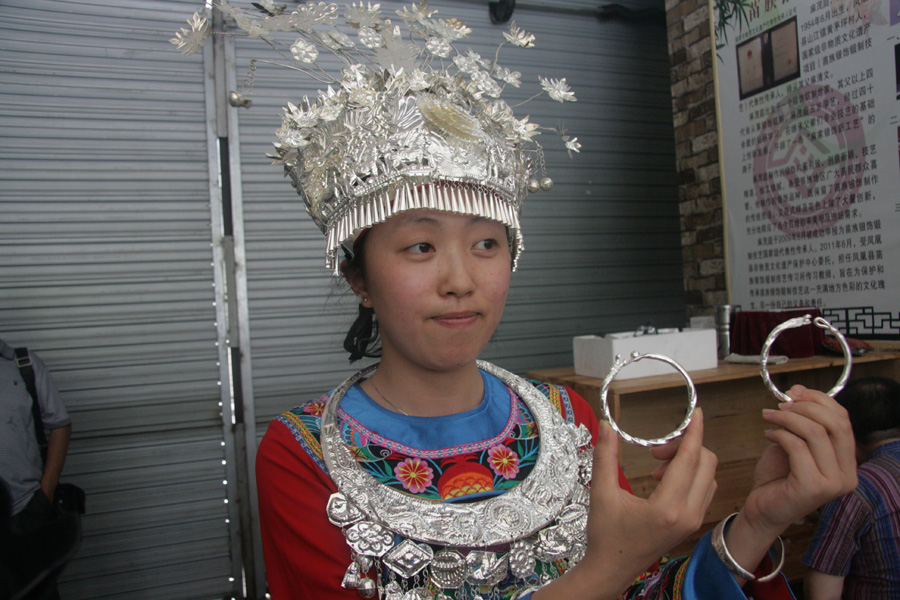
354	276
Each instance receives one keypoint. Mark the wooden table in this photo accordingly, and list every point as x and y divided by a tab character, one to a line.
732	397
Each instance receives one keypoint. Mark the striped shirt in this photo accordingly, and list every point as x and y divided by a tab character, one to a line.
858	536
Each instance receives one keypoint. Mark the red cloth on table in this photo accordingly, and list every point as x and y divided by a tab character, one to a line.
750	329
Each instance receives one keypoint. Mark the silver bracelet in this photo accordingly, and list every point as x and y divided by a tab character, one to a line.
528	590
617	365
800	322
718	543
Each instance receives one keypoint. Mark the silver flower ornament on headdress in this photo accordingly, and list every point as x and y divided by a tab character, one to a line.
400	128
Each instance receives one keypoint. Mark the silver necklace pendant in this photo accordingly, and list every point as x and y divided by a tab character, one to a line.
393	591
486	568
367	587
351	577
553	544
407	558
528	507
341	512
448	569
418	593
542	518
521	558
369	539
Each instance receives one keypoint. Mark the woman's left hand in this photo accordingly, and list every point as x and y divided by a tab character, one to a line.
811	461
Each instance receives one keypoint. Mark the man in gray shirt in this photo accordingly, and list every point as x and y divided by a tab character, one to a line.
30	483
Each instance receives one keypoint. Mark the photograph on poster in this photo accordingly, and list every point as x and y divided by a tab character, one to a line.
768	59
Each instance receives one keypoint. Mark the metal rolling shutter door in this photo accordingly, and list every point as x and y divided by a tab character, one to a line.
106	272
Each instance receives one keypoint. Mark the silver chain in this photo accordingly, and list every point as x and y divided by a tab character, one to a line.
383	397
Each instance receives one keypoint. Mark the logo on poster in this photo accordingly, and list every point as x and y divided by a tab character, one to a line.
808	164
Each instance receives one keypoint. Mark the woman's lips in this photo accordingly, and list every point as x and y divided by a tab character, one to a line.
457	319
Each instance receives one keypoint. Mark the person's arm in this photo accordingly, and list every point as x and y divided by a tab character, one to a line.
56	419
305	555
812	459
822	586
57	447
835	544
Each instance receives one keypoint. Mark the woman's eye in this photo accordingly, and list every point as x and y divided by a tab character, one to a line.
420	248
487	244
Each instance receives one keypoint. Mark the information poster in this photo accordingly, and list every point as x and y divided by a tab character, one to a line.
809	98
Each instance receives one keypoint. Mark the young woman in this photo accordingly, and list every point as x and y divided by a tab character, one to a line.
435	475
429	422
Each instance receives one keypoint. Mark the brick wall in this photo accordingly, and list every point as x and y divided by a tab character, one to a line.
696	151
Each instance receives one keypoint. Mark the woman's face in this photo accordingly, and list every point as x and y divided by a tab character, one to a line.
438	283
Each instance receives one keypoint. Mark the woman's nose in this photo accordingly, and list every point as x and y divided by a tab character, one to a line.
456	276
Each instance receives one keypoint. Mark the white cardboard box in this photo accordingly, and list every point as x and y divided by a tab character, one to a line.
693	349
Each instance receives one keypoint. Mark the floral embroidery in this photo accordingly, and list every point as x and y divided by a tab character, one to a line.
504	461
488	467
314	408
414	474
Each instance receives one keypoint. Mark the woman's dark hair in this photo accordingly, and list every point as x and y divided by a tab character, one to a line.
873	404
362	340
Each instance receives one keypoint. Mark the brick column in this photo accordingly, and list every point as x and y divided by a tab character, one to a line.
696	153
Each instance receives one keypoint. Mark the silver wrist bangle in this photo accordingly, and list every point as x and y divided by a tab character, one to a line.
528	590
718	543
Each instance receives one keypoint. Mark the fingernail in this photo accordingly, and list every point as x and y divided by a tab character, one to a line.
785	405
605	428
768	411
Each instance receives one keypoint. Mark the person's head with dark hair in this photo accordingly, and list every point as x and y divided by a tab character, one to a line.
874	407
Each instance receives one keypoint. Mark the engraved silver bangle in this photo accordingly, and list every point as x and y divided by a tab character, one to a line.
718	544
800	322
617	366
529	590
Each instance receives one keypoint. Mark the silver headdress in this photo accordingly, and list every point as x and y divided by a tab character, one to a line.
394	133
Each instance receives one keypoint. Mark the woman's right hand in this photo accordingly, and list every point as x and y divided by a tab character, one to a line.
627	534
